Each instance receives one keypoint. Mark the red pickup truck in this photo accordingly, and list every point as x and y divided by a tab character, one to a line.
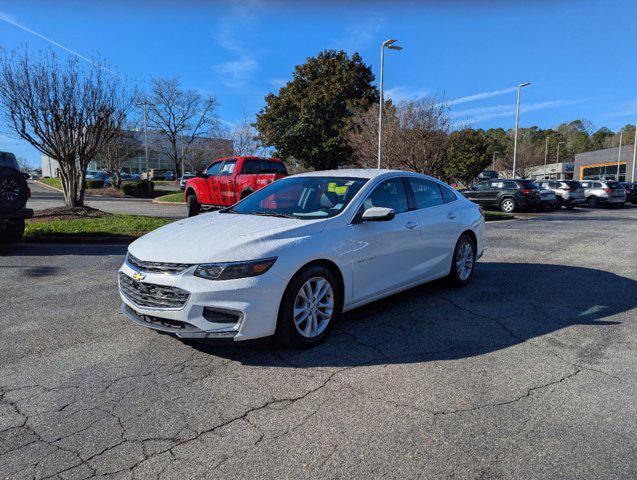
228	180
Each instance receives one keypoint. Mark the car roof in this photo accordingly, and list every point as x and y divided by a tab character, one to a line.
368	173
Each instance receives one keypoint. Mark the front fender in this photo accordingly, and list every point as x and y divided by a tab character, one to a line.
200	187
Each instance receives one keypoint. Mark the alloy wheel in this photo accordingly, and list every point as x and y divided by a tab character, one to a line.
508	205
464	260
9	189
313	307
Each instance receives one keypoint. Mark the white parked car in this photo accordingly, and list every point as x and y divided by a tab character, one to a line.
288	259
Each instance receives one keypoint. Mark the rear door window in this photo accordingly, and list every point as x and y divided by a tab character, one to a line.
228	167
426	193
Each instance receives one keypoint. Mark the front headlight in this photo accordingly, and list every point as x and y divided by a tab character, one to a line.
232	270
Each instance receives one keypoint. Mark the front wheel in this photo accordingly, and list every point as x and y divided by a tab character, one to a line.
192	205
309	308
464	261
508	205
593	202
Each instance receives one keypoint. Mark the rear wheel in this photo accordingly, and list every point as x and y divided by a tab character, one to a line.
570	206
508	205
464	261
14	190
12	232
592	202
310	305
192	205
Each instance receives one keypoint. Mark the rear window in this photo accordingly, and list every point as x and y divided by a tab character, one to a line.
528	184
572	184
613	185
253	166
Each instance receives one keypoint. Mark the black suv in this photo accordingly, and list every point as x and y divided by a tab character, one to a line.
508	195
14	192
631	191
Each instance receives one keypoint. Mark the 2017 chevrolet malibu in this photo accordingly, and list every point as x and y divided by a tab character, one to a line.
290	258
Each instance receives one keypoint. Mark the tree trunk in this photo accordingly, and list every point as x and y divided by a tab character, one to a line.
73	183
118	178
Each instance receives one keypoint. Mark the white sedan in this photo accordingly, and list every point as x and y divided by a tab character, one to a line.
290	258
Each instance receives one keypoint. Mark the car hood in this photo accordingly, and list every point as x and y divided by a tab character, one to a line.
221	237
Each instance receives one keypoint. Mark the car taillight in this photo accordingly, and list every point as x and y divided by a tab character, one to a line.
566	188
608	190
526	191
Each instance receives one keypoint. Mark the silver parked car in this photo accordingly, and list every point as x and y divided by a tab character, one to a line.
568	193
603	192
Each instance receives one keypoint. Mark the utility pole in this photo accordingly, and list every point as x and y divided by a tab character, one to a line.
546	154
517	116
619	153
145	136
632	176
389	44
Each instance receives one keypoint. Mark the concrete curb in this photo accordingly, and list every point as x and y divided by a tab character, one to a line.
49	187
159	202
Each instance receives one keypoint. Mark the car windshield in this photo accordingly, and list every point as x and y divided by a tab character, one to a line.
301	197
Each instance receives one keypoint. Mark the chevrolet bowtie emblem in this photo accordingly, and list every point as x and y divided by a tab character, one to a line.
138	276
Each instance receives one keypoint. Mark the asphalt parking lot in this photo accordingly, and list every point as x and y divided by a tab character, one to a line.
529	372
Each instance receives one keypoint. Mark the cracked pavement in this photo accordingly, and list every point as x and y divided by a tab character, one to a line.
529	372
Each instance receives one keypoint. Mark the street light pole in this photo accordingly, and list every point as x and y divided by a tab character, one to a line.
145	135
517	116
619	153
546	154
558	151
389	44
632	176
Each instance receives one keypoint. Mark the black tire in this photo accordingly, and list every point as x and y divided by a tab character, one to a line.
14	190
456	278
286	330
570	206
508	205
192	205
12	232
592	202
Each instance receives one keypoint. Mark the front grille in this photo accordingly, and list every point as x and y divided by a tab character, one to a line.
156	267
151	295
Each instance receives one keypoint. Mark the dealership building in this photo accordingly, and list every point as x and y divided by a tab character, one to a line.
602	164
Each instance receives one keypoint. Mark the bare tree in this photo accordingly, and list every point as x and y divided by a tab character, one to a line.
414	136
23	163
245	139
204	150
65	109
180	117
117	152
528	156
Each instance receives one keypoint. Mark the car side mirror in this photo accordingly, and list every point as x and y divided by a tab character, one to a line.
378	214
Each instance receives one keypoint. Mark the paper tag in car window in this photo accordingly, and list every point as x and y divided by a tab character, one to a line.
333	187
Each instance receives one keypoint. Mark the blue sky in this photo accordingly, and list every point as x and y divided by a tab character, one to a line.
579	55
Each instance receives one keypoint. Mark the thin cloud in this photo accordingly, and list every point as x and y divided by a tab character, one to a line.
628	109
478	115
13	21
361	34
400	93
481	96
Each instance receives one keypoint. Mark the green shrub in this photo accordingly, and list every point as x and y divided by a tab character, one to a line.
95	183
141	188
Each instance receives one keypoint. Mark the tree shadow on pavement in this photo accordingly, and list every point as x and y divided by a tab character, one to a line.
506	304
46	249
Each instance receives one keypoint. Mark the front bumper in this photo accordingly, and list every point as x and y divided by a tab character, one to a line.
253	303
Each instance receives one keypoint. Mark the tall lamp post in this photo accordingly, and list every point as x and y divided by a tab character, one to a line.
144	104
546	154
517	116
632	176
386	44
558	152
619	153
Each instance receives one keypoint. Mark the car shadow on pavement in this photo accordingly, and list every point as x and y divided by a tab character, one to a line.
506	304
46	249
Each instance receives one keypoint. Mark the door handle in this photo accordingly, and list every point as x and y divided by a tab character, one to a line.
411	225
451	216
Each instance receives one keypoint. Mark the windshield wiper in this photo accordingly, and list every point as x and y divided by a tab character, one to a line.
272	214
